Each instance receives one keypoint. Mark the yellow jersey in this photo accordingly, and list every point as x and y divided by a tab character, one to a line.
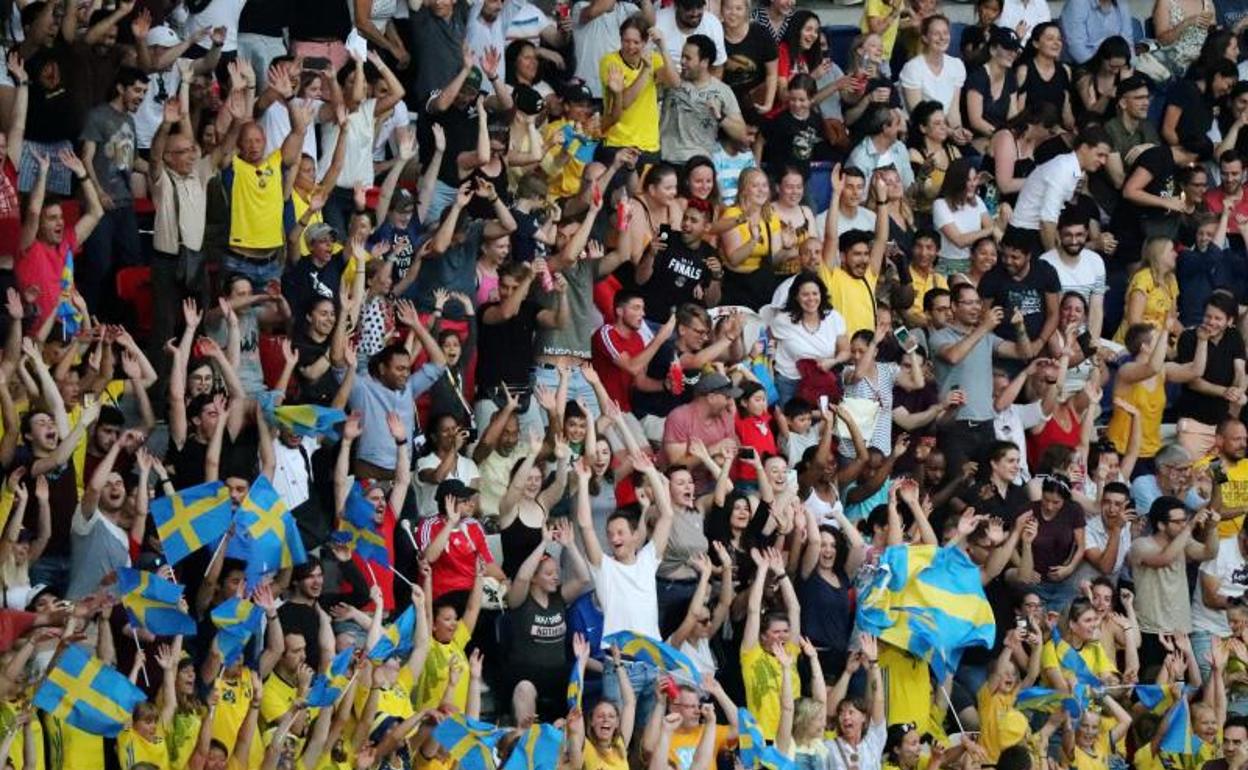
854	299
437	671
257	203
762	674
1092	653
638	125
133	748
907	687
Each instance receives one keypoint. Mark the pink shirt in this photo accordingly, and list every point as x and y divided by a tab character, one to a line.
41	266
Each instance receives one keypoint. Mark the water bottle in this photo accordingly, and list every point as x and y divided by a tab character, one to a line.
992	198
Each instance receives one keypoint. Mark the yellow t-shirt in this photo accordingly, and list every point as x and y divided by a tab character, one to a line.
71	748
1159	299
437	671
279	695
1234	492
922	286
563	181
1148	396
767	230
888	37
183	736
300	205
615	759
685	743
761	673
231	713
907	687
133	748
1000	724
1093	654
396	701
257	204
8	712
854	299
638	125
1085	761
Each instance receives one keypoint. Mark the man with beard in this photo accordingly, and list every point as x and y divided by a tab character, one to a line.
1229	469
1020	283
1231	166
302	614
1205	401
1079	269
699	107
685	19
101	525
707	418
695	344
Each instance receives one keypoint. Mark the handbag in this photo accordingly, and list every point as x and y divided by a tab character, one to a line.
864	412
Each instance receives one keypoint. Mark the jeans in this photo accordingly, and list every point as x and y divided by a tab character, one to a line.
641	675
1202	648
338	209
443	196
260	51
1056	596
548	376
115	241
674	596
786	389
259	272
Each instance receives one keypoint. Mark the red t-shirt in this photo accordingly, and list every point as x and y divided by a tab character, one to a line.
753	432
607	346
1214	198
41	266
10	211
456	568
379	571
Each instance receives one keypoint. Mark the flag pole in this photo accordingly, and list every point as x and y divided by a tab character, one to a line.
406	526
397	574
139	647
371	574
952	710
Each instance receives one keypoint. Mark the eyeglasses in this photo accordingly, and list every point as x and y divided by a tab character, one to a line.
975	301
701	331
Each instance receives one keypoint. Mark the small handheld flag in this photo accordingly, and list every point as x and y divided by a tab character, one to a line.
325	690
153	603
84	692
192	518
659	654
470	742
396	638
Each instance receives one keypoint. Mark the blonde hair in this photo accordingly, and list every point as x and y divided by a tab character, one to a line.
806	723
747	175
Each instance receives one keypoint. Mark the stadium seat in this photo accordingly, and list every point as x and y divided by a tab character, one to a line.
134	286
840	39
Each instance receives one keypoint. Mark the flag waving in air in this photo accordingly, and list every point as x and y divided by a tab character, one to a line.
275	538
326	689
309	419
538	749
358	523
929	602
153	603
659	654
69	315
81	690
191	518
396	638
237	619
470	742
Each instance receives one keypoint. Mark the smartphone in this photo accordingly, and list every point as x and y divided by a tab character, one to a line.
665	233
1020	624
746	453
902	334
823	403
316	63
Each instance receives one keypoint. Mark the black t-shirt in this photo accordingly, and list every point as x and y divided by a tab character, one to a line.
1219	370
265	17
996	111
1197	114
678	270
460	127
524	245
320	20
505	350
62	500
52	115
662	402
794	142
188	462
320	391
305	282
746	68
1028	295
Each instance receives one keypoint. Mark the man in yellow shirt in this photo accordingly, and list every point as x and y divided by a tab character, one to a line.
760	670
685	738
451	635
289	681
851	285
1230	497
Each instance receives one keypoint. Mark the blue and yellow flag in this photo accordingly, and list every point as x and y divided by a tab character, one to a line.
275	538
470	742
66	313
538	749
929	602
359	524
237	619
659	654
576	686
153	603
396	638
192	518
1178	737
1159	698
1071	661
750	742
326	689
309	419
1048	701
84	692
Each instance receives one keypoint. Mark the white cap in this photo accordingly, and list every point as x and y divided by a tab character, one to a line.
162	36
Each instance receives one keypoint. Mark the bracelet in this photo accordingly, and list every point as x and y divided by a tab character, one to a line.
84	178
22	83
400	442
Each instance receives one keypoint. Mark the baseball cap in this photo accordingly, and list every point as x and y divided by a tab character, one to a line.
576	91
1005	38
473	81
527	99
716	383
162	36
36	591
319	231
402	201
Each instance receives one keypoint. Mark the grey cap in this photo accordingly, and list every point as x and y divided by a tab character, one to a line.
716	383
319	231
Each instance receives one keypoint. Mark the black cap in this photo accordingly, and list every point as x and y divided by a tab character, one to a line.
455	488
716	383
1005	38
527	99
576	91
402	201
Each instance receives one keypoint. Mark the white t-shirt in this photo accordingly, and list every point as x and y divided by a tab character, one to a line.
220	13
596	39
397	118
465	470
276	124
863	219
940	86
674	38
357	161
1031	13
1096	536
292	472
1012	425
148	117
1086	277
870	750
1231	568
528	23
627	593
967	219
794	342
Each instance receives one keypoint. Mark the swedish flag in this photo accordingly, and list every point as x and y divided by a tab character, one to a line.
538	749
93	697
576	686
309	419
66	313
326	689
1048	701
1159	698
1072	661
275	536
237	620
153	603
357	521
396	638
928	601
191	518
470	742
1178	737
750	742
657	653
